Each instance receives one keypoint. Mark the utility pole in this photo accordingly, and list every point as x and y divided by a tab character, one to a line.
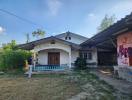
27	37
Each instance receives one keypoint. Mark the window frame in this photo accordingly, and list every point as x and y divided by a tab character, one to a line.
86	55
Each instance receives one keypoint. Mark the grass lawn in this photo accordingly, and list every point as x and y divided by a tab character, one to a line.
40	87
54	87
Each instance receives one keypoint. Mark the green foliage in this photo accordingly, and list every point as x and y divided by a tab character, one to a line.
10	46
80	63
1	49
38	33
106	22
13	59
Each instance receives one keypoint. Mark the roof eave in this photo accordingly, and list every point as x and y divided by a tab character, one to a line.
30	46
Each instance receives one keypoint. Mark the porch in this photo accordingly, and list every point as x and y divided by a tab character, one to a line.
52	58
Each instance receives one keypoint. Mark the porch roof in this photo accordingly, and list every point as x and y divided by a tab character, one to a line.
30	45
106	38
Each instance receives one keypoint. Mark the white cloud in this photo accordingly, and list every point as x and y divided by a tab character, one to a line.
2	30
54	6
91	15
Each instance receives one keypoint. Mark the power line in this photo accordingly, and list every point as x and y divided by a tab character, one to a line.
21	18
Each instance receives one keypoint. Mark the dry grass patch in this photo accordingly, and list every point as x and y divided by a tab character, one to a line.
44	88
56	87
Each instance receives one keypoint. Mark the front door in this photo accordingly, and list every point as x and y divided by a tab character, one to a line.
54	58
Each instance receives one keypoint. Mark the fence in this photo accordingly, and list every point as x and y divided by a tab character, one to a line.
40	68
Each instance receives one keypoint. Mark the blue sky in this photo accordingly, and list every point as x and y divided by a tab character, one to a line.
57	16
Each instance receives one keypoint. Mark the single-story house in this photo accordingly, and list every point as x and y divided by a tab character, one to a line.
62	49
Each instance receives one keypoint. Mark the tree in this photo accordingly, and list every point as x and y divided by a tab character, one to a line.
10	46
27	37
80	63
13	59
106	22
38	33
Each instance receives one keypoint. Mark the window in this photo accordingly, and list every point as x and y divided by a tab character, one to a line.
90	56
81	55
86	55
52	42
66	38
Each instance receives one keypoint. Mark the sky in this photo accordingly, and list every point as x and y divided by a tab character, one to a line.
57	16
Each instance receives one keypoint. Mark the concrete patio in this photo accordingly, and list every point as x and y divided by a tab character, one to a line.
119	84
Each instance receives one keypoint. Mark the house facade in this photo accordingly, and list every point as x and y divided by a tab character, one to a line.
112	46
62	49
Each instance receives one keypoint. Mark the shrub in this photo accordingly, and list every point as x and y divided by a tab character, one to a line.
80	63
10	59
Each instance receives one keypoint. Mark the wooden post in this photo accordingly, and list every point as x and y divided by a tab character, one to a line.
30	71
34	59
114	44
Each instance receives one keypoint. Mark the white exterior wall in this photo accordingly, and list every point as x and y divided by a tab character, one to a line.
74	55
75	40
94	57
48	45
65	51
64	57
43	56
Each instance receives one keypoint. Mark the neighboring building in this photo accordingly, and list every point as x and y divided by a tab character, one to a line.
116	42
62	49
116	45
124	41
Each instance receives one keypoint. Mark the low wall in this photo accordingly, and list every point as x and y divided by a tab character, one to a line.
124	72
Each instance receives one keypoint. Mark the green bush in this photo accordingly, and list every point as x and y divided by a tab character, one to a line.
80	63
10	60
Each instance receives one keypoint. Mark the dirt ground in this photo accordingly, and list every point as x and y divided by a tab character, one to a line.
76	85
42	88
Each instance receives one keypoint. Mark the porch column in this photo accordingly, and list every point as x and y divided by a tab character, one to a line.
70	59
34	59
